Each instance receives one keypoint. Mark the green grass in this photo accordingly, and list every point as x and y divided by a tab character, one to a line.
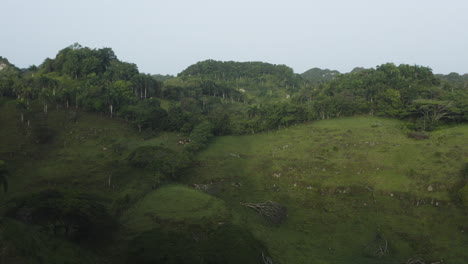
176	204
325	173
84	152
345	183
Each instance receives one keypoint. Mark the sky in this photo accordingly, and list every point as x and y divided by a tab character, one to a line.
166	36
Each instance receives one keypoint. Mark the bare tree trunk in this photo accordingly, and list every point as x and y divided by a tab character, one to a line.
111	110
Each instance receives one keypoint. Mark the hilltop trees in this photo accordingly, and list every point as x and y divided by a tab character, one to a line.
236	97
402	91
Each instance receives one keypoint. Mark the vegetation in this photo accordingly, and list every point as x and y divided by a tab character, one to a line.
355	192
230	162
317	75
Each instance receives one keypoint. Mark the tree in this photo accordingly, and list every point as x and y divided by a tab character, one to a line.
120	92
21	106
432	110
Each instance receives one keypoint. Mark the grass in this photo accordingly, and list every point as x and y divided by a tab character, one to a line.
82	154
346	183
177	204
327	174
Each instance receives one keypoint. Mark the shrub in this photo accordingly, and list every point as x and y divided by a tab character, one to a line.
162	160
77	215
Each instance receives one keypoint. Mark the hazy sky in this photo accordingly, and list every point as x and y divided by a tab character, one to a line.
167	36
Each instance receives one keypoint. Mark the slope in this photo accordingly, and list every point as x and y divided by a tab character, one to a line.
358	190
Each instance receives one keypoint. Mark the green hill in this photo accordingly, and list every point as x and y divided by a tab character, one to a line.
80	184
351	186
239	81
230	162
317	75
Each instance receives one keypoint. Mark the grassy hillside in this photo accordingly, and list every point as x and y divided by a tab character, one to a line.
351	186
357	190
73	172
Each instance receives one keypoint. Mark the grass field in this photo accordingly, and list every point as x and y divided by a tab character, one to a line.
352	186
348	184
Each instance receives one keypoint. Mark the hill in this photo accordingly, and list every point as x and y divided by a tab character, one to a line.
100	163
317	75
240	81
80	184
357	190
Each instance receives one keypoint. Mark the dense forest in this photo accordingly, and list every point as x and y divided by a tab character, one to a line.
236	97
171	119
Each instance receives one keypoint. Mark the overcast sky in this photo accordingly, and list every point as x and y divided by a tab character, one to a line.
167	36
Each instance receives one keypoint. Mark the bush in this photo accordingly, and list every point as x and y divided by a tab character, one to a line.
162	160
76	215
200	136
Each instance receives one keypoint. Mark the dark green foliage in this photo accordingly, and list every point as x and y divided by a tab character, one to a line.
146	156
147	114
73	214
163	160
200	136
317	75
236	97
22	243
184	244
235	70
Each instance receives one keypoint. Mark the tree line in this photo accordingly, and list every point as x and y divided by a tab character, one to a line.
233	97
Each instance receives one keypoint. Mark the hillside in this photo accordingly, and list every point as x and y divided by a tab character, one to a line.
73	175
240	81
351	186
100	163
359	179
